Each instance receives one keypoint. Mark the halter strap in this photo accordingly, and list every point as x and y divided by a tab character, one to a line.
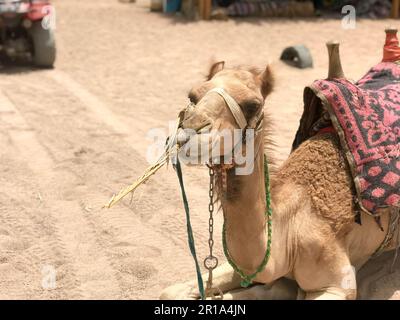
233	106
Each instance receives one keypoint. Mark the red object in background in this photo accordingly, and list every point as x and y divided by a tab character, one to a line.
391	50
38	10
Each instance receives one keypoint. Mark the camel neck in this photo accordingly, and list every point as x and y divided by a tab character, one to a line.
246	223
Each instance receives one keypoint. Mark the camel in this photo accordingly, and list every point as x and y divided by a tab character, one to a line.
317	247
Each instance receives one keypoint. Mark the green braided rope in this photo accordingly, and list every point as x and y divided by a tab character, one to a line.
248	279
191	243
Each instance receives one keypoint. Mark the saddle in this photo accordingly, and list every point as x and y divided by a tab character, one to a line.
366	117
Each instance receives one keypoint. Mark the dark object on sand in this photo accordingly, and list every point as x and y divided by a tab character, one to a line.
298	56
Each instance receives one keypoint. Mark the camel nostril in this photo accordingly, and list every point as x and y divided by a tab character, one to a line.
205	127
189	120
196	124
182	136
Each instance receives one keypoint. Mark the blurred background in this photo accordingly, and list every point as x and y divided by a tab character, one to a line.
222	9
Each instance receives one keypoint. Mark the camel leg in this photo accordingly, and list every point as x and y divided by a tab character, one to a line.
282	289
229	283
344	286
330	277
224	276
331	293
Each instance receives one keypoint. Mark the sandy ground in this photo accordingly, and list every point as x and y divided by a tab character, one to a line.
72	136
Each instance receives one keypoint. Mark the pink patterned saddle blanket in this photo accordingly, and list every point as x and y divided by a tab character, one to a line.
366	117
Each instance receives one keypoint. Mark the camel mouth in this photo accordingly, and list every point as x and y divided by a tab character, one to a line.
218	149
185	134
204	129
198	147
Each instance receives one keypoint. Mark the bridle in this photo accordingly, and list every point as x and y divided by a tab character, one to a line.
237	111
255	124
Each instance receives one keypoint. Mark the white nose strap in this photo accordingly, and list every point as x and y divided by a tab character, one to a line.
233	106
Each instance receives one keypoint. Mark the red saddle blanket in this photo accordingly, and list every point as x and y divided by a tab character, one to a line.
366	116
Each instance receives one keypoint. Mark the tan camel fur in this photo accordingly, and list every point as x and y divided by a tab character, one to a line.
316	244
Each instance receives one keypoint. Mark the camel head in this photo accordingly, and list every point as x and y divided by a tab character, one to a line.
224	107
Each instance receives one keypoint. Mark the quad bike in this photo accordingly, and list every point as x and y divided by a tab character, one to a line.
25	32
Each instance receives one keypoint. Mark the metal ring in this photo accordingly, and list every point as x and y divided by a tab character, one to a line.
211	262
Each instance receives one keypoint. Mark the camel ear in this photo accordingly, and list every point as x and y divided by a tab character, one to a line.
267	81
215	68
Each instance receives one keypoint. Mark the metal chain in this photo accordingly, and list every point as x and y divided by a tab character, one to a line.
211	211
211	262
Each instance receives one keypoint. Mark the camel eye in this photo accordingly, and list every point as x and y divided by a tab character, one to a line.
250	108
192	98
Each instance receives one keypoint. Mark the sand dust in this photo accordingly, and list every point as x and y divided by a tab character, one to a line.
72	136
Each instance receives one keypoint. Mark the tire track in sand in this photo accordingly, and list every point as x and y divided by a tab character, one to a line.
171	227
140	246
74	235
132	135
99	108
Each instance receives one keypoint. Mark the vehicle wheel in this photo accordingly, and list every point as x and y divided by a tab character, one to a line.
298	56
44	45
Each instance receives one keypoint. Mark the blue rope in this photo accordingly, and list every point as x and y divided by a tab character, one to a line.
189	229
